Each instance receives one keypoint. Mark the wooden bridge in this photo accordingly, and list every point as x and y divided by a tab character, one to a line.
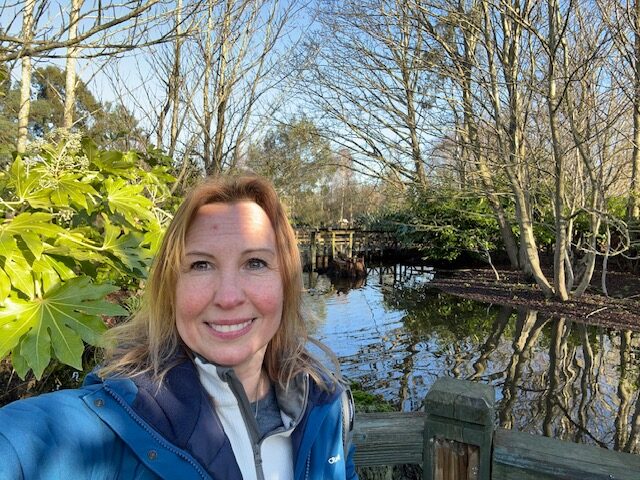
455	439
319	246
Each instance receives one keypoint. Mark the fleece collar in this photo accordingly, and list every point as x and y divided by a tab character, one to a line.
292	401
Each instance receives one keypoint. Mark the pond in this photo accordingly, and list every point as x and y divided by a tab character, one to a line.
395	335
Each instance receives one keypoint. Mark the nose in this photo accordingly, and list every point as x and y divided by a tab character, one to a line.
229	292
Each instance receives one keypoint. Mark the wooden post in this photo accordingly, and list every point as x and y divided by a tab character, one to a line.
350	247
458	430
333	245
312	250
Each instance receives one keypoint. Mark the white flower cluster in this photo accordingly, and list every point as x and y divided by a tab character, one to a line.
59	152
66	215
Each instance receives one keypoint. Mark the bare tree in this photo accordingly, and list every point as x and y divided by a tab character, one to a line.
623	22
243	61
457	29
107	29
96	29
366	79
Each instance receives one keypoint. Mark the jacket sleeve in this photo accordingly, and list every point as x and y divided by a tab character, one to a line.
11	467
53	436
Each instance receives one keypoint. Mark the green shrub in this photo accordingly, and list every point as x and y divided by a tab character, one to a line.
76	224
442	225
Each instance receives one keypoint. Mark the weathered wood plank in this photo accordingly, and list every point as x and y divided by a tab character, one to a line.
521	456
392	438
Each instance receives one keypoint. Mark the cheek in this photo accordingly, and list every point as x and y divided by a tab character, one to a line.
268	300
190	298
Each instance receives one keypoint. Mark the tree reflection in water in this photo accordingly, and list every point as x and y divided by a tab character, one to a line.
396	335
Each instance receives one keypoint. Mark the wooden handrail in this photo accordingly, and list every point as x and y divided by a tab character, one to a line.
392	438
406	438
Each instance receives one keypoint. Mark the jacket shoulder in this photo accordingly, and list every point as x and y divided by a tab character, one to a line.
55	435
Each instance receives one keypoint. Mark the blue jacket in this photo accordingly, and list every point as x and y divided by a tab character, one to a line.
121	429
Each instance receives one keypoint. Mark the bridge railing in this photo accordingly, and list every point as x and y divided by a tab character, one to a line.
455	439
319	246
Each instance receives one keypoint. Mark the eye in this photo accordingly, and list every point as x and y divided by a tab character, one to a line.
256	264
200	266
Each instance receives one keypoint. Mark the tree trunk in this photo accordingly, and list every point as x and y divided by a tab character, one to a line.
510	244
633	208
206	86
559	277
528	241
72	52
25	87
174	82
222	92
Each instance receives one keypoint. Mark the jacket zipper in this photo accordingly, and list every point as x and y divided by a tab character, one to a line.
154	434
307	467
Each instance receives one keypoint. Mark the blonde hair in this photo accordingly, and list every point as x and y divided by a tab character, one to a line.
150	342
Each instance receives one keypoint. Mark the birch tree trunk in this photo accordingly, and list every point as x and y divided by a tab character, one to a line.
206	85
72	52
25	86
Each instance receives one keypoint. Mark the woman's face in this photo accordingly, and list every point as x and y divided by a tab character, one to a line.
229	293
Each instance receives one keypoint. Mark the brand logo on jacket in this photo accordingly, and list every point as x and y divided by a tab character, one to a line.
335	459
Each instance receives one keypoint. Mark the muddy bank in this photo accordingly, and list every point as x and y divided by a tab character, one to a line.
621	309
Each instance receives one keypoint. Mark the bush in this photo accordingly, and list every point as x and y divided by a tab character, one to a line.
443	225
78	223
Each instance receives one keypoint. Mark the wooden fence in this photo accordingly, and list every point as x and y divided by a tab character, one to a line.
455	439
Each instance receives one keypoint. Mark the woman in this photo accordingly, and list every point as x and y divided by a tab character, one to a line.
212	378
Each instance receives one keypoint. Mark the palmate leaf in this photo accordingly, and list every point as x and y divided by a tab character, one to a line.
71	190
28	226
126	247
25	185
128	201
59	322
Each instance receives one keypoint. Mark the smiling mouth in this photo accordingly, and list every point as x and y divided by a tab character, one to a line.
230	328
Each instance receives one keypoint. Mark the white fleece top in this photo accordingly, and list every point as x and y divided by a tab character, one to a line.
269	459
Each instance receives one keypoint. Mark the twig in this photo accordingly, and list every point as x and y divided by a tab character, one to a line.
596	311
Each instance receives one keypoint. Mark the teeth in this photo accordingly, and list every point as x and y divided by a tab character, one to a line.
229	328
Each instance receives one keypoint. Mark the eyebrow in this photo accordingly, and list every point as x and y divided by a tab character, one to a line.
250	251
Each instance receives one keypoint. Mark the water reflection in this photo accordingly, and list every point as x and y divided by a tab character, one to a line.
396	335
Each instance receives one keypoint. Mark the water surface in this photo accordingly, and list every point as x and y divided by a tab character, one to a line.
395	335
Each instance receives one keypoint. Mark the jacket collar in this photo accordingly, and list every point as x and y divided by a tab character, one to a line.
292	400
181	411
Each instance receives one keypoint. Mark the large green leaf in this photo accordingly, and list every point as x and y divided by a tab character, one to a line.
128	201
128	247
25	184
71	190
28	226
66	315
